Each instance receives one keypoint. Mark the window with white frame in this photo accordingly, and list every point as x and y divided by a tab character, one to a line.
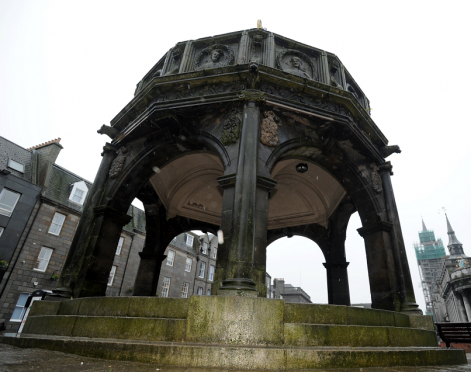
8	200
189	240
208	292
120	245
202	268
205	248
79	192
112	274
215	252
189	261
43	259
200	291
20	308
211	272
1	230
165	287
185	289
170	257
56	224
16	166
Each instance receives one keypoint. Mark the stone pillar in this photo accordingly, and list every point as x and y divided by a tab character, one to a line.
467	306
337	283
381	269
239	215
460	306
406	289
152	254
75	261
93	278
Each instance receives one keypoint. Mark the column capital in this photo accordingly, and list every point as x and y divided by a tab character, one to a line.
386	167
109	148
252	95
336	265
375	227
266	183
117	216
228	181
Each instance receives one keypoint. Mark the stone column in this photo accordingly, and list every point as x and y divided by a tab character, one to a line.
467	305
460	306
74	262
239	217
406	289
152	254
337	283
381	269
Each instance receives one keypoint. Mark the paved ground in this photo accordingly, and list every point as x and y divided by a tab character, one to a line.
14	359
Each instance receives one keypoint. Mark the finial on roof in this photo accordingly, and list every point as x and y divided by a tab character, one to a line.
57	140
259	23
424	228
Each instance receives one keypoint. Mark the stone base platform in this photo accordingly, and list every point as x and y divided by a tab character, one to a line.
233	332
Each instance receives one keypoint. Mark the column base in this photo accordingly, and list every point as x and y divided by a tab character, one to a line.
410	308
238	287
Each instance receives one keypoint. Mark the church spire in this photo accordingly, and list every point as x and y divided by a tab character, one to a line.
424	228
454	245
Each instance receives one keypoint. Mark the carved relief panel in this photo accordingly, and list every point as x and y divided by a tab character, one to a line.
297	63
175	60
257	45
269	129
335	74
214	56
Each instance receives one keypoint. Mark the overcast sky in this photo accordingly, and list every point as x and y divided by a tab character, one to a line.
67	67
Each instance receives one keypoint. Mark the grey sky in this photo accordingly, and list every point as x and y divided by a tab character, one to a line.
67	67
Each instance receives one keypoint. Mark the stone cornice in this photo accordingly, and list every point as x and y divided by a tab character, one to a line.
375	227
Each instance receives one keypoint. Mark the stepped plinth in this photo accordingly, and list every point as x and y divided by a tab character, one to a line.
233	332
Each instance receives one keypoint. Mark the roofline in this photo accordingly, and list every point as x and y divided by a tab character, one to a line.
24	148
71	173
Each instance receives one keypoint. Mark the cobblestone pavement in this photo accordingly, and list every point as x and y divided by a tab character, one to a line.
14	359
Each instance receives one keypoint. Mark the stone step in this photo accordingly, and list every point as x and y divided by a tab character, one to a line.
298	334
243	357
152	329
143	307
345	315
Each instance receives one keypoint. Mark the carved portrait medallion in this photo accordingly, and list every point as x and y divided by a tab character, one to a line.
376	180
269	132
118	163
296	63
217	55
231	129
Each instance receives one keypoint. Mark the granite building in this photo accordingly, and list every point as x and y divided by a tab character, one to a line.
287	292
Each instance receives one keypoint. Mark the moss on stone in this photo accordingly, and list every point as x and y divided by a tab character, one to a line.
53	325
360	316
104	306
149	329
69	307
159	307
315	314
401	320
44	308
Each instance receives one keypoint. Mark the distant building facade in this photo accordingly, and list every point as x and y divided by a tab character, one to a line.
287	292
446	279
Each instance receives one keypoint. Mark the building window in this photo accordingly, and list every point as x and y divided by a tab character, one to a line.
165	287
112	274
79	192
185	289
189	261
208	292
170	257
211	272
205	248
8	200
43	259
202	268
78	196
120	245
20	309
56	224
16	166
1	230
200	291
215	252
189	240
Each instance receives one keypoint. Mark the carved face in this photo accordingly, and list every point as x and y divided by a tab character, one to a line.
215	55
296	62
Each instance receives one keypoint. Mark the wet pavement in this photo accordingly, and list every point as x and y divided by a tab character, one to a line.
14	359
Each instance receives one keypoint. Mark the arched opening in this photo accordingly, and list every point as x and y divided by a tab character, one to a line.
298	261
